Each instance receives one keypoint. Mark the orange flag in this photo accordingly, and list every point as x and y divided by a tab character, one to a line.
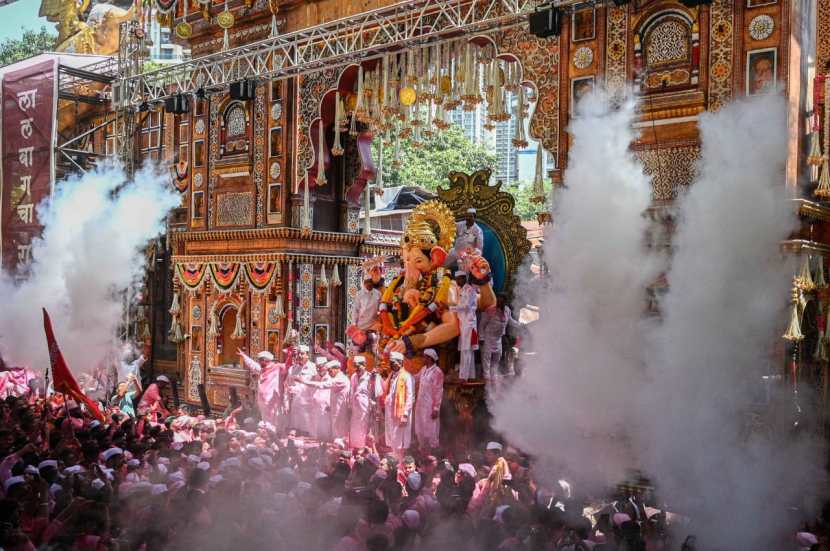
62	378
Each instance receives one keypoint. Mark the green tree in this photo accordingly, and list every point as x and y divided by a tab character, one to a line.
429	165
29	44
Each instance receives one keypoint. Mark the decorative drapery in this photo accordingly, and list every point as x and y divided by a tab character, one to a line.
261	275
225	276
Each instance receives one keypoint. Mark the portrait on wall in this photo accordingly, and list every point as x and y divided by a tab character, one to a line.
273	342
579	88
198	204
199	153
273	198
583	24
321	334
195	338
321	295
761	71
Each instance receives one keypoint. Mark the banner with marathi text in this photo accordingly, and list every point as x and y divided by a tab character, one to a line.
28	124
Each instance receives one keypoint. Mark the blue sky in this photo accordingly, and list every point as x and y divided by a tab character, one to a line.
19	16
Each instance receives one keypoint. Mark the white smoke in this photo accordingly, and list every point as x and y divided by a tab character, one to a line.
89	253
572	402
725	309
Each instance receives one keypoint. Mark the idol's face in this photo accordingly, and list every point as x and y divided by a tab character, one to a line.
416	259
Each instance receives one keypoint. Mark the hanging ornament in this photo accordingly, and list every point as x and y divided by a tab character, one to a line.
407	96
815	156
519	138
175	307
175	334
335	276
819	278
321	160
213	325
823	189
306	214
539	179
793	332
279	309
396	159
274	7
238	329
379	176
324	280
360	106
805	277
337	147
184	30
145	333
225	21
367	212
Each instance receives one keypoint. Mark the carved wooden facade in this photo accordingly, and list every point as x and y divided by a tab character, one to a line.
240	163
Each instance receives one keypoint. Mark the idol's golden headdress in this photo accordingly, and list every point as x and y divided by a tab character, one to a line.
431	223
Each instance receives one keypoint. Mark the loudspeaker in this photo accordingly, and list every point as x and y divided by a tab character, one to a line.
546	22
244	90
695	3
178	104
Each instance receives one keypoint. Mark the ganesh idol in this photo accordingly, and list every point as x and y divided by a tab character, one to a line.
415	308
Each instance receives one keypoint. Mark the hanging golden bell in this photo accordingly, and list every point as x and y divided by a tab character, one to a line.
184	30
408	96
446	85
225	19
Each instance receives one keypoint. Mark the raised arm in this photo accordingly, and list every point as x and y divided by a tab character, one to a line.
249	362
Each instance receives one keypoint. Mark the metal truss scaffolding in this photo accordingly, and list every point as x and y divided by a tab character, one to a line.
333	44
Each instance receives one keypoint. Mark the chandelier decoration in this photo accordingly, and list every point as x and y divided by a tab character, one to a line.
411	94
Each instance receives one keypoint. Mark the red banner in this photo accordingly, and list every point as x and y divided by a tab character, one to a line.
28	122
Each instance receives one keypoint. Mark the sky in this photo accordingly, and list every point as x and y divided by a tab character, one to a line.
19	16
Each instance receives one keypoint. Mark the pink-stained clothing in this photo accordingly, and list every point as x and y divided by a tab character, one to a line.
465	309
322	412
365	389
302	397
339	404
269	389
399	429
430	393
365	309
151	402
15	382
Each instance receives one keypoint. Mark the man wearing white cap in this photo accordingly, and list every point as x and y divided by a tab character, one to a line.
400	399
337	386
465	308
468	236
366	303
366	387
321	398
269	375
301	396
428	404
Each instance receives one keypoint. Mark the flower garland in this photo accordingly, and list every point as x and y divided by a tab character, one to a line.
433	293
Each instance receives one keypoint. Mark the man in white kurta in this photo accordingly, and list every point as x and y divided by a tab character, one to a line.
365	307
468	236
492	327
398	405
339	385
300	395
267	371
320	397
465	308
428	403
366	388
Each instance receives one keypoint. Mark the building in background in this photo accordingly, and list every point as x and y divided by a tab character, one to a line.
162	49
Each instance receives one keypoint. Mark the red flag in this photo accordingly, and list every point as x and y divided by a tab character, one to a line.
62	378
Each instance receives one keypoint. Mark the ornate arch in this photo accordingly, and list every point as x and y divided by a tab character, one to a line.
667	50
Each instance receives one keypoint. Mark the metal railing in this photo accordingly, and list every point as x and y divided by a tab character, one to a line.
328	45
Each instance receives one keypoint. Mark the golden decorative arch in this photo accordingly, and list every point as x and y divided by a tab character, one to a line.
493	207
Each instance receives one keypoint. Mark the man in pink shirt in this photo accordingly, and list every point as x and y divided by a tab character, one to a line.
269	395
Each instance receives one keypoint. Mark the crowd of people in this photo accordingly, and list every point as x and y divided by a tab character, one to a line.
153	476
